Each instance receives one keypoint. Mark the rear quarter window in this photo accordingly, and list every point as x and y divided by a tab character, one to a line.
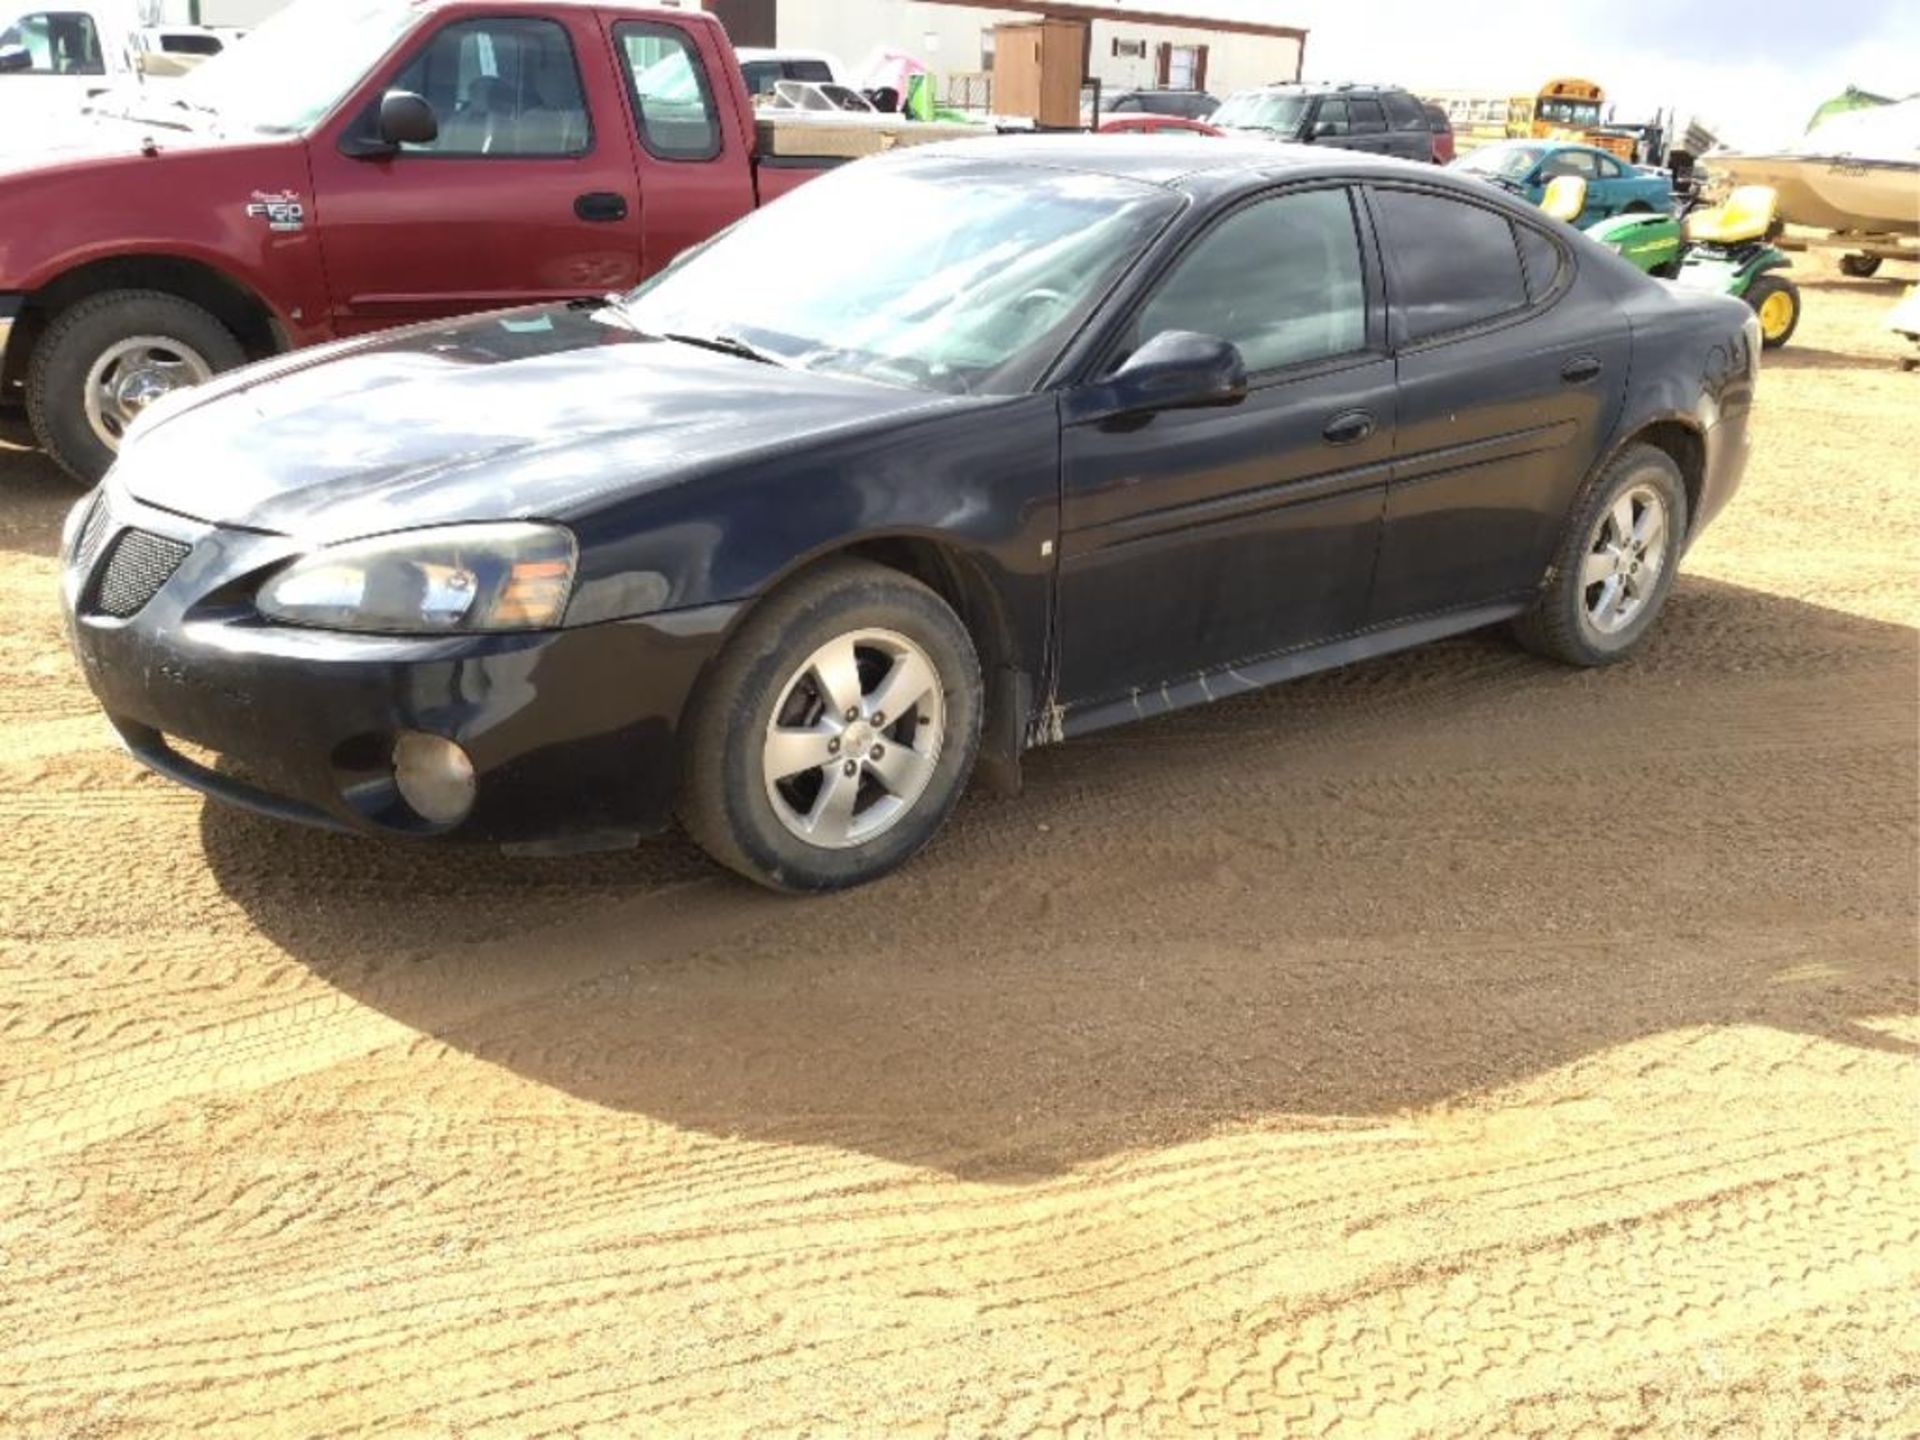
1541	259
1403	111
1452	264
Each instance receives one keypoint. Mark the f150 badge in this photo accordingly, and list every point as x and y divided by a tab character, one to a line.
281	210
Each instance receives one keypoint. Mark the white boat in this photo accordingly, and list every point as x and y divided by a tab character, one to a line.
1858	173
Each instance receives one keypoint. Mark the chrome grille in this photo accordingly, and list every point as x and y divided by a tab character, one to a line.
137	565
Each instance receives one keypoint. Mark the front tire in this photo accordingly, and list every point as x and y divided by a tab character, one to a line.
1859	266
104	359
835	733
1615	566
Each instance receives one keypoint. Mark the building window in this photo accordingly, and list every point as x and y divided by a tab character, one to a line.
1181	67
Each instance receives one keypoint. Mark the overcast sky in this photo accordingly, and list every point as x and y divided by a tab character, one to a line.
1757	67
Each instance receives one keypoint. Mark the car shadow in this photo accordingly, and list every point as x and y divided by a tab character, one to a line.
34	495
1381	889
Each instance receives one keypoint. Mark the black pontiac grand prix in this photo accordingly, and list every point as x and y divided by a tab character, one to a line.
946	455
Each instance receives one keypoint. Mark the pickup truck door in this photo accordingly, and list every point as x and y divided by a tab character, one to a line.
527	195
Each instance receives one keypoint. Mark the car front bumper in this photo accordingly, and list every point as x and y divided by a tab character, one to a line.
572	733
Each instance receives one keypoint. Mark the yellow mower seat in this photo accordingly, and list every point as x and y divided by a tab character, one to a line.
1566	197
1747	215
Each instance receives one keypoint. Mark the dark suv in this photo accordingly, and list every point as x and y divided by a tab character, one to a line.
1382	119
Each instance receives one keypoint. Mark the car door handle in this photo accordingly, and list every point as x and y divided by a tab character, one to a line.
601	206
1580	369
1348	427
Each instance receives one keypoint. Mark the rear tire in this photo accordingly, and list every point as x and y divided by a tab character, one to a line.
1859	266
1776	300
854	637
107	338
1616	563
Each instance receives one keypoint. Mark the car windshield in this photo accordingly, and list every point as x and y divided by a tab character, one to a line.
1509	162
297	65
952	276
1262	110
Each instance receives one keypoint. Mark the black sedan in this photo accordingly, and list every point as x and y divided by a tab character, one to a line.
946	455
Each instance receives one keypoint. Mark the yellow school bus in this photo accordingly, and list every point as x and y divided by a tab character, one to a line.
1567	110
1565	105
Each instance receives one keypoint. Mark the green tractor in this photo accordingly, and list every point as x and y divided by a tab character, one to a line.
1726	250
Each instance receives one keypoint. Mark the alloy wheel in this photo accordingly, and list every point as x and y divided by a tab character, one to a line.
1625	557
854	738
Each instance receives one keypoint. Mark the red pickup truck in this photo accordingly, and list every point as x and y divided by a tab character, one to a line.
359	164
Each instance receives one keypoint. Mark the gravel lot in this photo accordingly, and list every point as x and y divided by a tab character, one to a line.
1453	1045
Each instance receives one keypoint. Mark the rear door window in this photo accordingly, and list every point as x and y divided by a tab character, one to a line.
672	101
1452	265
1366	117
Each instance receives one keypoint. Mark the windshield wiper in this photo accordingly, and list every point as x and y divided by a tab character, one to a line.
729	345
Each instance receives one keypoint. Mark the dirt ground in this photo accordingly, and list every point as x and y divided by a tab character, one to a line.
1456	1045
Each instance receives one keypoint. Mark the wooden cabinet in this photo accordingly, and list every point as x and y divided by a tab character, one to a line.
1038	69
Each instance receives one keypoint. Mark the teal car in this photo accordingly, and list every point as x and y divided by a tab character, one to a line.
1614	187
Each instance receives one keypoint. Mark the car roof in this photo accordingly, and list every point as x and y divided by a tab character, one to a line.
1326	87
1194	164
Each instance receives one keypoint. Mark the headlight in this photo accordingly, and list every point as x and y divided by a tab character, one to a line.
458	579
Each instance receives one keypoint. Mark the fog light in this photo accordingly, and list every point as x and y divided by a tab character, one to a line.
435	777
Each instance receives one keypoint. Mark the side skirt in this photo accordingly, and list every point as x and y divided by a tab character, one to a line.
1229	680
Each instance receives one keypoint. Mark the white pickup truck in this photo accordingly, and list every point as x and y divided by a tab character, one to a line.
55	56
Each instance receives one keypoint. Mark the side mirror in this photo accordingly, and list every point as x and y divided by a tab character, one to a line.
406	119
1322	129
15	60
1178	370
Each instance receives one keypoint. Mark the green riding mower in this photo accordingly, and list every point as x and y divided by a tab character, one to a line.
1727	250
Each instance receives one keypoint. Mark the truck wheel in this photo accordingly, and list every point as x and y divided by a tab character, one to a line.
1615	565
107	358
835	732
1859	266
1776	300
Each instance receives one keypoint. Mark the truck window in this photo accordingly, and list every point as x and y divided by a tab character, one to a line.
57	42
672	102
502	89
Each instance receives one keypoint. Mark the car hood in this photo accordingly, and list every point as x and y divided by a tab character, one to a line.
543	414
58	137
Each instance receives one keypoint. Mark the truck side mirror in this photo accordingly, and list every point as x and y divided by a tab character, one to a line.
1322	129
14	60
406	119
